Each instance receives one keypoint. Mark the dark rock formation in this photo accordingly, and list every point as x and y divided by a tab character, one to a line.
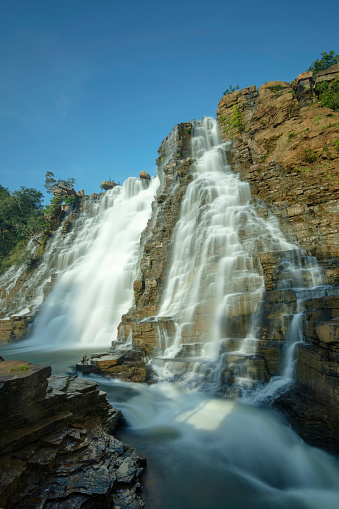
56	447
128	366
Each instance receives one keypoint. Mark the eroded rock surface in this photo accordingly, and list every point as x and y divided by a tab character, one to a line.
56	446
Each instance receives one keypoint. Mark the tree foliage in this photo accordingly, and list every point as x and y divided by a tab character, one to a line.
328	94
21	217
52	182
231	89
326	61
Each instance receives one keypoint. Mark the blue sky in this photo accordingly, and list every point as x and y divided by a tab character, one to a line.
89	89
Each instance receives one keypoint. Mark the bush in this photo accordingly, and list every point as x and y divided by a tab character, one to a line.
328	94
231	89
327	60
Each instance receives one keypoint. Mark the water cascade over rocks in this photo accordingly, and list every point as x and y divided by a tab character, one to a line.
203	451
215	288
96	264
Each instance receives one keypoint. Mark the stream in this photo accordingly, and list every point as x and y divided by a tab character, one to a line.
208	452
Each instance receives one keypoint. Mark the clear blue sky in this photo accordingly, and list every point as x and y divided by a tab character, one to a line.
89	88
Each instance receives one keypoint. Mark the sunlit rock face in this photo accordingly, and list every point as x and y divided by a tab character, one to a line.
286	150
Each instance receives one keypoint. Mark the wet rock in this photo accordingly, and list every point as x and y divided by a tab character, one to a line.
58	452
309	417
129	366
144	175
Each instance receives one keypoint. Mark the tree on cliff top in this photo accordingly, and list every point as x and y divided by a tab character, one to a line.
51	182
326	61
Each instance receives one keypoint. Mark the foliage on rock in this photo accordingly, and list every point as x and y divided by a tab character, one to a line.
52	182
328	93
231	89
326	61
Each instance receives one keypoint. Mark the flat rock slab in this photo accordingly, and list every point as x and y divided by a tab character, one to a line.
20	375
107	361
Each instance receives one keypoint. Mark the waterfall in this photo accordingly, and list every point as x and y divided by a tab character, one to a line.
96	264
215	283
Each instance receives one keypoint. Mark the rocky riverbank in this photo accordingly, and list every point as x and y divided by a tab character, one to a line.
57	449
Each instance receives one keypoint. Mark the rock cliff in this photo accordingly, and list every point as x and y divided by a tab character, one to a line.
57	448
286	146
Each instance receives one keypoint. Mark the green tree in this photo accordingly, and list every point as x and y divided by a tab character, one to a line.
231	89
326	61
21	217
52	182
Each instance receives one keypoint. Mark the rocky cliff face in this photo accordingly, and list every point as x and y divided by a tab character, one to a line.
57	448
286	146
156	243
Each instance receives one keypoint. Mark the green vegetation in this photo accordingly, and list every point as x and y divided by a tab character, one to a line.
276	88
21	368
21	217
234	120
231	89
326	61
307	155
52	182
291	135
328	94
336	144
332	125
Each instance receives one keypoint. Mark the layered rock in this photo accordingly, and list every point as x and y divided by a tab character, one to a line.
56	447
107	185
13	329
174	163
285	145
287	152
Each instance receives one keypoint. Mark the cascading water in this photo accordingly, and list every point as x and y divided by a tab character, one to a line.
96	265
202	451
215	283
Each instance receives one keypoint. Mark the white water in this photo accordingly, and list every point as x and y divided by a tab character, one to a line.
215	283
203	452
96	266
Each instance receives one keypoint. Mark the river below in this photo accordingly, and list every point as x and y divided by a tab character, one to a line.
208	452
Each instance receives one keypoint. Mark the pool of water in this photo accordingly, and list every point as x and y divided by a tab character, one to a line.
207	452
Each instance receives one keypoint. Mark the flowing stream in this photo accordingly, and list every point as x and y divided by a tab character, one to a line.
203	451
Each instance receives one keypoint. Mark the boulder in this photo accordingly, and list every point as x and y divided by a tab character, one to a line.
144	175
106	185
